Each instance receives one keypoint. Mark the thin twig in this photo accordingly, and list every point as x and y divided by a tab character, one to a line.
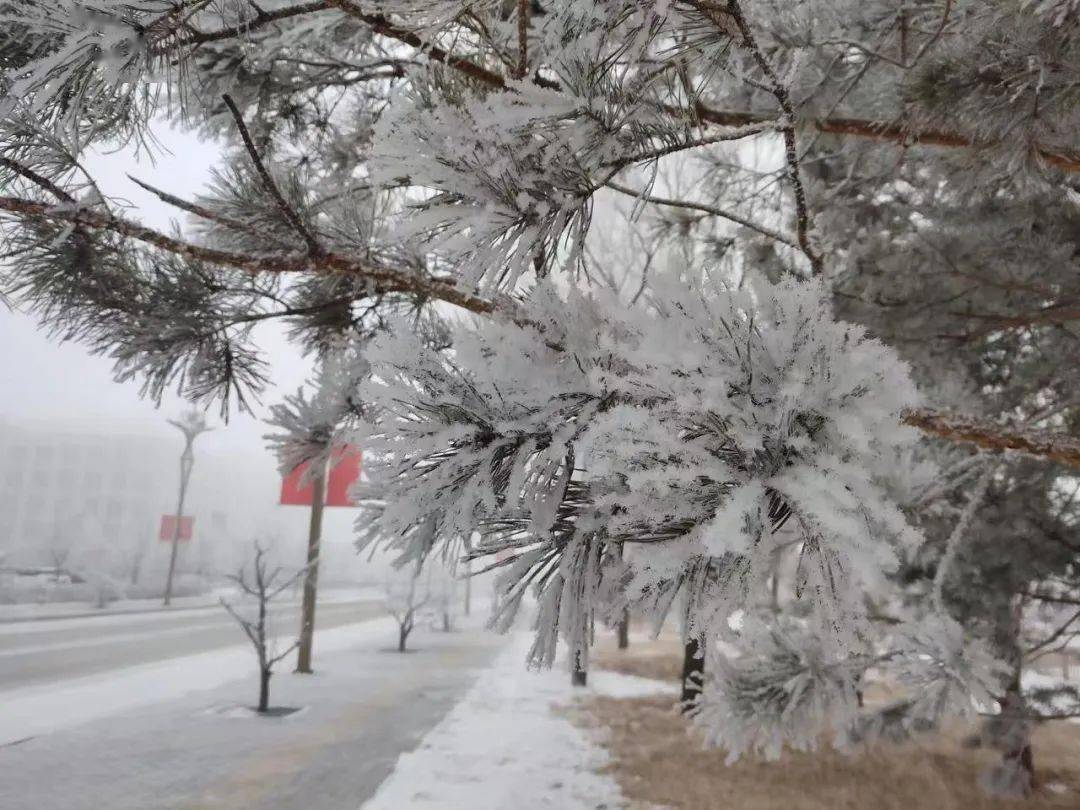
37	179
898	132
192	208
707	209
780	93
523	38
290	215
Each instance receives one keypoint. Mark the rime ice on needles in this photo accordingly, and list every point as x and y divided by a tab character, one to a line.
785	690
309	426
689	428
513	183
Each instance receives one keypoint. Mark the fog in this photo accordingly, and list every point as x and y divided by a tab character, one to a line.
58	394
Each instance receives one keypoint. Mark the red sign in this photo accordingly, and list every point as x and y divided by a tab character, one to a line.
168	528
344	471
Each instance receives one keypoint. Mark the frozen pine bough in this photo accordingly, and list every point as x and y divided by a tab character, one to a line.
384	161
700	431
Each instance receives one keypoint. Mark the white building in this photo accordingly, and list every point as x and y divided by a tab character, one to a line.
91	497
80	499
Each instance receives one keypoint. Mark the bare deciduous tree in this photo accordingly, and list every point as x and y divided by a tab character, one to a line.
404	599
263	586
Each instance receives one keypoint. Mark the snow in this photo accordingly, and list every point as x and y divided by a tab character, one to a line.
57	612
619	685
362	708
507	744
37	710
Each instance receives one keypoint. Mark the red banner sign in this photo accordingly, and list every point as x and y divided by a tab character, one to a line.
344	471
168	528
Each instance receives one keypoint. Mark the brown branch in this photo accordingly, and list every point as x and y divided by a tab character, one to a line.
523	38
712	210
1057	314
261	20
791	151
314	249
37	179
383	279
854	127
192	208
382	26
1060	447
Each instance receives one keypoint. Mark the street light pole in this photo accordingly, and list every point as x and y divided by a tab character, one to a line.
191	425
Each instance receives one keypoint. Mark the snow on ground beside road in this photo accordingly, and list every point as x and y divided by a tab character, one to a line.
16	617
620	685
37	710
364	705
507	745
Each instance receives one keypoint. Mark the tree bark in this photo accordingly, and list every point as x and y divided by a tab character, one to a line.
311	577
624	629
264	689
578	674
693	671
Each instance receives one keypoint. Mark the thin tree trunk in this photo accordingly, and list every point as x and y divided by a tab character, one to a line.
693	671
311	577
624	620
264	689
579	674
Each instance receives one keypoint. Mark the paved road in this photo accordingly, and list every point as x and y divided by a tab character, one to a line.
360	711
36	653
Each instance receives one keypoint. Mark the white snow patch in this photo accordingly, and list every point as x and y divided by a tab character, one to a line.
504	746
619	685
32	711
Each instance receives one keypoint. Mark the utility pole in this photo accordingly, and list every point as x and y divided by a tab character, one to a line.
191	425
311	576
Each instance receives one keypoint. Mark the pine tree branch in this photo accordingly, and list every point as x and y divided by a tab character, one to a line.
37	179
894	131
260	20
791	151
1051	446
989	435
192	208
314	249
382	279
523	38
712	210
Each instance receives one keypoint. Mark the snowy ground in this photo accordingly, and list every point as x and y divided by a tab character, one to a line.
33	612
509	744
459	724
177	735
40	653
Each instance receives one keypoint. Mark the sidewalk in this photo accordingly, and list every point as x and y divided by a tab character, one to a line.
509	743
179	736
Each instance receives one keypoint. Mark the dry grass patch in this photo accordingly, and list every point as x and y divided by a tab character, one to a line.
658	762
660	659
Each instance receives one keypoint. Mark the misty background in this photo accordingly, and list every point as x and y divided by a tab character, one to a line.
88	466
